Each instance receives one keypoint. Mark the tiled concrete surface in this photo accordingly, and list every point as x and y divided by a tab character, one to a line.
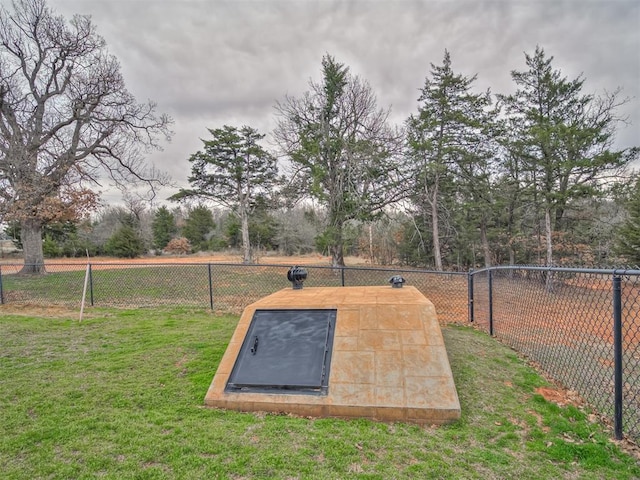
389	360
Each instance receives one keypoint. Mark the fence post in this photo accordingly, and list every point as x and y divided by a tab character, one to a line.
342	274
91	284
210	287
1	291
470	294
617	356
491	303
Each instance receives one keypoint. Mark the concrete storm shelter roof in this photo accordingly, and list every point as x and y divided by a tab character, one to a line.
370	352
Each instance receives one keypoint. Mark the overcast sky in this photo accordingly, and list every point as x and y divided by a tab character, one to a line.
210	63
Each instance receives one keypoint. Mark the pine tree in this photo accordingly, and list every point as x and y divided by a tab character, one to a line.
164	227
124	243
199	227
563	142
235	171
450	145
628	235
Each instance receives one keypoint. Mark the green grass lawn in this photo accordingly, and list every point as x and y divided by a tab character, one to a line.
120	396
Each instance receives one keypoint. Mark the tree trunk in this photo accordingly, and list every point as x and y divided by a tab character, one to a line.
512	260
437	256
371	243
246	242
547	226
31	237
337	257
486	250
548	232
337	250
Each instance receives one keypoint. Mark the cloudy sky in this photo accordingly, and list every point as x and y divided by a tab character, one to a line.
210	63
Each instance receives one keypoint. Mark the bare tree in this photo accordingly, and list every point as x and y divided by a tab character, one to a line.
341	145
65	117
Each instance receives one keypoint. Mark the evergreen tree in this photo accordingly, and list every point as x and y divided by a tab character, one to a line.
450	145
628	235
50	247
262	230
199	227
234	171
563	142
164	227
124	243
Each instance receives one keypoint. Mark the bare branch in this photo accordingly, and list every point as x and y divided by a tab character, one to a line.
65	112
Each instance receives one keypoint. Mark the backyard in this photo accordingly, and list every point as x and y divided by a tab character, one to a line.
120	395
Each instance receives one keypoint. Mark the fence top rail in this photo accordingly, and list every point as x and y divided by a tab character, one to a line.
602	271
230	264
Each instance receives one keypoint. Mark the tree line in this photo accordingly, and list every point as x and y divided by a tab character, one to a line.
470	178
477	179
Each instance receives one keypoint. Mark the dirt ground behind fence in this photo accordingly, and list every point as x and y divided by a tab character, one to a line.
573	301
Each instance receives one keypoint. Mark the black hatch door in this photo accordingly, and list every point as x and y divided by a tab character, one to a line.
286	350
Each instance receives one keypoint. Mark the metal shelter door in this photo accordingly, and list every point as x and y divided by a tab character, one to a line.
285	349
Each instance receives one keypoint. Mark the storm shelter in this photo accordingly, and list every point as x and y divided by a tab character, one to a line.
371	352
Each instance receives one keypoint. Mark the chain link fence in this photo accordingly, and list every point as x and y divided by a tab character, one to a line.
581	327
219	286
